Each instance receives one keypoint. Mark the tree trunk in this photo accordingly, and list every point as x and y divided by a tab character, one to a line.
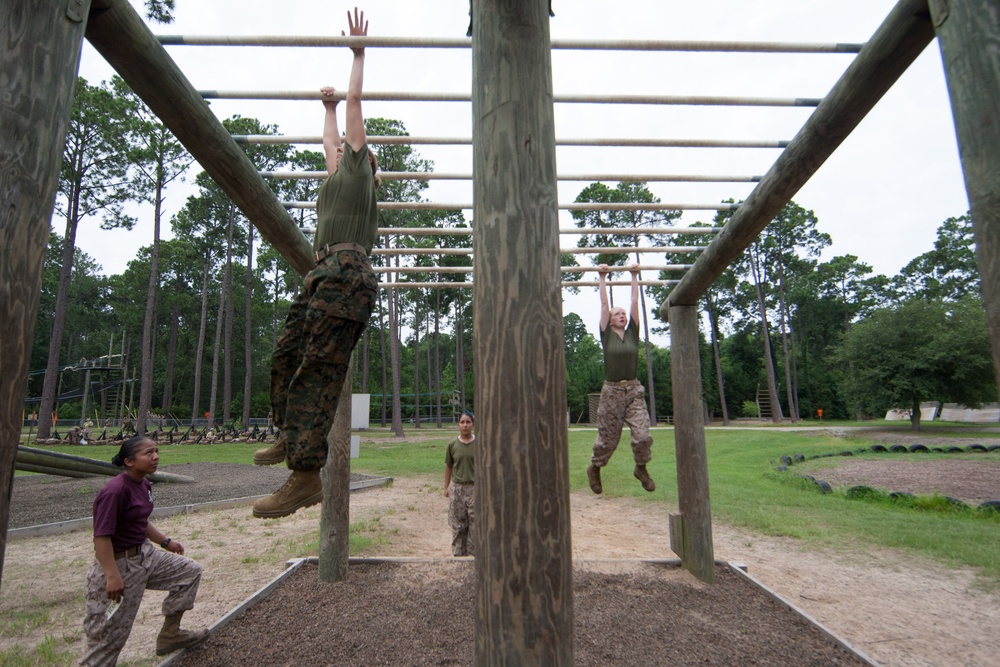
168	389
149	323
714	323
397	414
459	351
772	388
385	365
649	354
915	414
200	353
248	332
366	342
220	316
793	403
437	352
416	361
49	386
227	350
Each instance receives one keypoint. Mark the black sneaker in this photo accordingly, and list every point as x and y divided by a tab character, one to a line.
594	477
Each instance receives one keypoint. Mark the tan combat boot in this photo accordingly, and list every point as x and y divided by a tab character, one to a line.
642	475
172	637
301	490
594	478
273	454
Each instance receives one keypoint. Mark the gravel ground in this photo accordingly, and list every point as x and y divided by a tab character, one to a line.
41	499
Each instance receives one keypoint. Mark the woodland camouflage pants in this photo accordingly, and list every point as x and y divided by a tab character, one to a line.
312	356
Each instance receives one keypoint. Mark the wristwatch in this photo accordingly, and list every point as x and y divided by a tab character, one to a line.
165	542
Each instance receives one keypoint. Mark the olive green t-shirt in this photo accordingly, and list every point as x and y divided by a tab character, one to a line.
621	356
346	208
461	457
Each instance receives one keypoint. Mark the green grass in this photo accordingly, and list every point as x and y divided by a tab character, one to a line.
745	490
46	653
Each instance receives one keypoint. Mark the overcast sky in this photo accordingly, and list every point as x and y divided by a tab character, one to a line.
881	196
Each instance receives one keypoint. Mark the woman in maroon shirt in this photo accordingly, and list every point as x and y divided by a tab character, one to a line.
127	563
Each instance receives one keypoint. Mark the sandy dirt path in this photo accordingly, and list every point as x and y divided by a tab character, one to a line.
895	608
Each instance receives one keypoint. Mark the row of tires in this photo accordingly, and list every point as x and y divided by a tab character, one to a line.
862	492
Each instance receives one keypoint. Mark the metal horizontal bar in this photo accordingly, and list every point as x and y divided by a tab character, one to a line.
564	269
401	96
439	206
667	250
408	140
467	231
453	43
567	283
446	176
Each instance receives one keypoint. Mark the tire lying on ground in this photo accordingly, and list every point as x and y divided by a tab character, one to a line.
862	492
918	448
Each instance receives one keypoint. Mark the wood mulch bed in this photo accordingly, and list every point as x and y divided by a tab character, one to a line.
422	613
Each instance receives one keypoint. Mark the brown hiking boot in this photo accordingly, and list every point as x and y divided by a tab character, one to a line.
173	638
301	490
594	477
642	475
273	454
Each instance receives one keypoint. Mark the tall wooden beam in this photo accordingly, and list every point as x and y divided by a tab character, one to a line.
41	56
894	46
524	597
691	530
120	35
969	35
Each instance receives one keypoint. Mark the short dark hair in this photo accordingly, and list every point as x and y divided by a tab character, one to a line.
468	413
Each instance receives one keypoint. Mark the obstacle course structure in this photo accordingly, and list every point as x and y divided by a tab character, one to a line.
524	602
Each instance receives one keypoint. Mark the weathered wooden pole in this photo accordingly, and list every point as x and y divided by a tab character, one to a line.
120	35
691	530
524	596
40	41
969	35
335	520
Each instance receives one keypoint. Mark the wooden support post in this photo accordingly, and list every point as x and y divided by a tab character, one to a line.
335	520
120	35
524	595
41	56
969	35
894	46
695	521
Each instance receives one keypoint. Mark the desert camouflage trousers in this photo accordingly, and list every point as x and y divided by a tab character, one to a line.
310	361
622	404
462	518
153	568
